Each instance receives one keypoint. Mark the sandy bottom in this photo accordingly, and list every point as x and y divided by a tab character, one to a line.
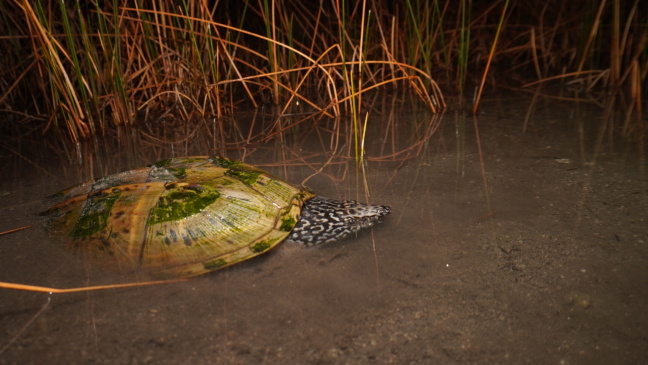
537	255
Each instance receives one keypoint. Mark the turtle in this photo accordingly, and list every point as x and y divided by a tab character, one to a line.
187	216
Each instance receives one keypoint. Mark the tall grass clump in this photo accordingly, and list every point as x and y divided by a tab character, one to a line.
84	68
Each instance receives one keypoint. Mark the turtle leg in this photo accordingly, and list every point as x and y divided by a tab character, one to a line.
326	220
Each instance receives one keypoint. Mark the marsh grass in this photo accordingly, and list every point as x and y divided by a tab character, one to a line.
82	69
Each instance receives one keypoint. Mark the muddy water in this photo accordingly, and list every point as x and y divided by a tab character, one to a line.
510	241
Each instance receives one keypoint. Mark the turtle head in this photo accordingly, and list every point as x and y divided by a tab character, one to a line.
327	220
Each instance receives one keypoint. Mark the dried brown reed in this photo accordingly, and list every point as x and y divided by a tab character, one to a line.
84	68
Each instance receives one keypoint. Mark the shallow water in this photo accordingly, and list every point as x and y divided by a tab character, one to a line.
509	242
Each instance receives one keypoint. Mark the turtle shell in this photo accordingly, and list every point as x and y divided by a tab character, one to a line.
179	217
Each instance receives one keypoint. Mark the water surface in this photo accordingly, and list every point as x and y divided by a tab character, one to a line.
510	241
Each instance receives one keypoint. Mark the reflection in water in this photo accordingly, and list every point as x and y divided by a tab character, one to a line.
505	231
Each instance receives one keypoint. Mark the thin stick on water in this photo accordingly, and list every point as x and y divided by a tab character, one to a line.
44	289
32	319
14	230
